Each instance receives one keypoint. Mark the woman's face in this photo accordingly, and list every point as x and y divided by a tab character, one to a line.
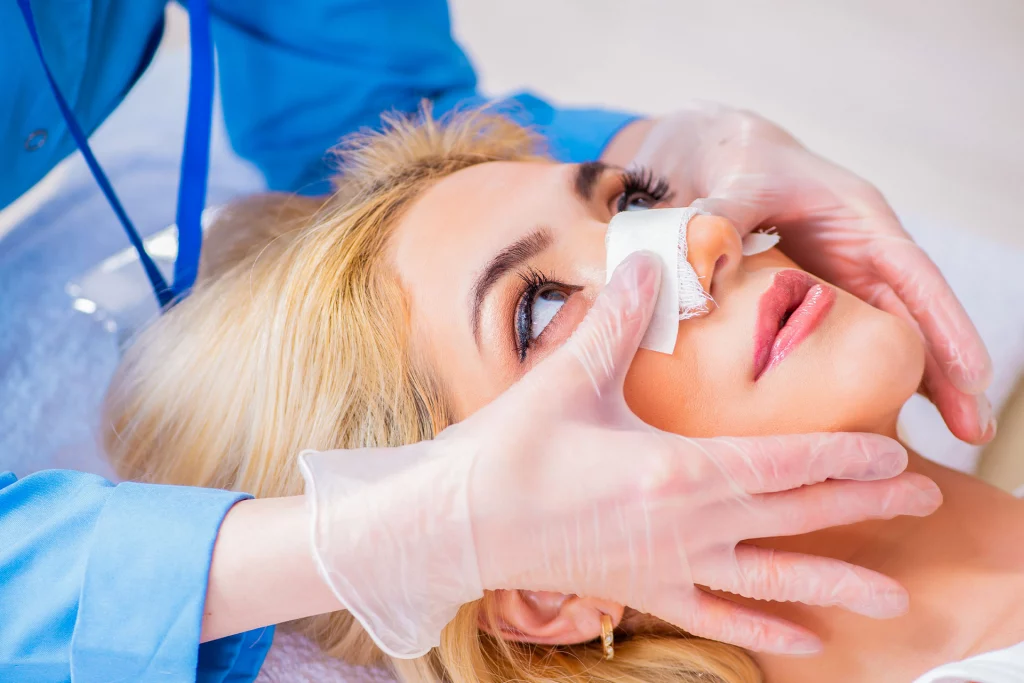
501	262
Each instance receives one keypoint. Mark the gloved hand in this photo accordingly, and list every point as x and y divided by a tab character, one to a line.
738	165
557	485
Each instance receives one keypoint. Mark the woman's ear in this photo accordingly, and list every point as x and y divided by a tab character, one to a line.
545	618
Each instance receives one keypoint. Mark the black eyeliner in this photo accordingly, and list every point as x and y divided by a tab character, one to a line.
524	311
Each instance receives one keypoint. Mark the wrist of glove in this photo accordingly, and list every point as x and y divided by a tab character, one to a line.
393	539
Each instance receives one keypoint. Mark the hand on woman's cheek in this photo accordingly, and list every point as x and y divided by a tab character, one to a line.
546	618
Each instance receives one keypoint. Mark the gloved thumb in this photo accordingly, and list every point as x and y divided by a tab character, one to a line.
601	349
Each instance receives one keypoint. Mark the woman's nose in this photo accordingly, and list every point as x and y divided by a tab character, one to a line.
714	250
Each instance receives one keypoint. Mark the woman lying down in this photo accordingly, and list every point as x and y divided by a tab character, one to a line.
451	259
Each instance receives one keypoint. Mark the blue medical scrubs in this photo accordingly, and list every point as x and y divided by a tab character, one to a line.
101	582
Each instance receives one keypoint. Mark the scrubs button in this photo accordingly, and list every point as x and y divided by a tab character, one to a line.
35	140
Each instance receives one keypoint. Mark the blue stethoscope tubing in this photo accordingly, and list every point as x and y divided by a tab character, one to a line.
195	159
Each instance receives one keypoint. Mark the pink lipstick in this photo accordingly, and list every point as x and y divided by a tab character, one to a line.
789	311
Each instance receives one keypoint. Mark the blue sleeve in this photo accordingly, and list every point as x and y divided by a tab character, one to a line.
101	582
297	76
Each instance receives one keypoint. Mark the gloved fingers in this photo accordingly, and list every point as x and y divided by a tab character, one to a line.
835	503
767	574
780	463
602	347
968	416
948	331
746	204
710	616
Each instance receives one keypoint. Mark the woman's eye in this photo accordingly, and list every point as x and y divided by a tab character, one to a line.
544	308
636	201
536	308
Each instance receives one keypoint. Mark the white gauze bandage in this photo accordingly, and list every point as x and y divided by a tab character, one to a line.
756	242
663	232
682	296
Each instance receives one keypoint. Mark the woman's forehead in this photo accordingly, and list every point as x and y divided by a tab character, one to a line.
465	218
489	190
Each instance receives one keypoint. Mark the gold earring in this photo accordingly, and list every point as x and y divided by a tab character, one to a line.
607	636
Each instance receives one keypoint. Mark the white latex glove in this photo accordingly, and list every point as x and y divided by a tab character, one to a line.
558	486
738	165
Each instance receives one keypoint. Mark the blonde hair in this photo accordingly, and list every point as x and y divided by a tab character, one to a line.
297	337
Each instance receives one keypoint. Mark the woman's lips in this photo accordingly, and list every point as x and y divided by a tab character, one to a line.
789	312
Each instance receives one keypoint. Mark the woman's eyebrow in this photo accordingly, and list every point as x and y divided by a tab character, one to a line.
505	260
585	178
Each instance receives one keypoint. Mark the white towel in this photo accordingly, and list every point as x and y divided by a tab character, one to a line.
293	658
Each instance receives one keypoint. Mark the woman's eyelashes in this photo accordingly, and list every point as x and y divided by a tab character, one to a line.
641	190
541	299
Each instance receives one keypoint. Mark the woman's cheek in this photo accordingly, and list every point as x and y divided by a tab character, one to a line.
666	392
881	359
